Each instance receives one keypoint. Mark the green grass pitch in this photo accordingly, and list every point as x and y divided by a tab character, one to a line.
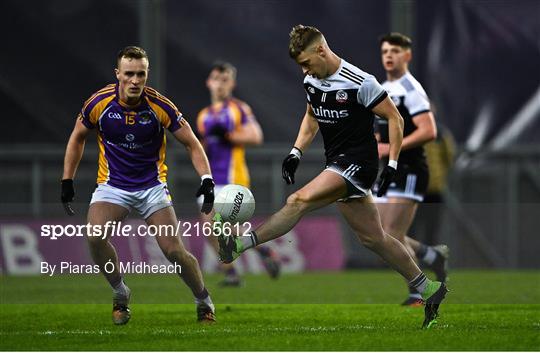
356	310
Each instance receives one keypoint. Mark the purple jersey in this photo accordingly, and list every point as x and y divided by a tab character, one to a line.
131	140
227	161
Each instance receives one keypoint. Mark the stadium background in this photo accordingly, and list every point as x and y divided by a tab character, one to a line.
476	59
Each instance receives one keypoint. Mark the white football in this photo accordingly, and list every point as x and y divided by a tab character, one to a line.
235	203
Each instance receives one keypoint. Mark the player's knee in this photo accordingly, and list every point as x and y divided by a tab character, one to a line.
372	240
178	255
394	230
297	202
96	242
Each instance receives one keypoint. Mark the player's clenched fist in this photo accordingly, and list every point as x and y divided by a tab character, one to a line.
387	176
290	164
67	195
206	189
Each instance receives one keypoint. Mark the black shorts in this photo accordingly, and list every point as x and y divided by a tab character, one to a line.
358	174
411	182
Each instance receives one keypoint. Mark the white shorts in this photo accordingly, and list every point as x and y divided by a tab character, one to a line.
145	201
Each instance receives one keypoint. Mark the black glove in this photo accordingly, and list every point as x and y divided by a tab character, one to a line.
387	176
207	189
219	131
68	193
290	164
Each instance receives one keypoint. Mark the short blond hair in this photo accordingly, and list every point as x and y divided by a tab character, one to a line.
131	52
301	37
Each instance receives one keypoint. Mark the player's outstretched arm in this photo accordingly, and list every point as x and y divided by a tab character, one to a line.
387	110
75	149
308	130
72	158
200	162
195	150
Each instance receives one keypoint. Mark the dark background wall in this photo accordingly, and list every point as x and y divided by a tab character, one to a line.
476	59
60	52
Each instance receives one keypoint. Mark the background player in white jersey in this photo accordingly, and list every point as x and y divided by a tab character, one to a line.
130	119
398	207
342	101
226	127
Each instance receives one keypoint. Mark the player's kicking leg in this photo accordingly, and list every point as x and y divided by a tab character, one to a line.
268	256
176	253
102	252
363	217
232	278
323	190
326	188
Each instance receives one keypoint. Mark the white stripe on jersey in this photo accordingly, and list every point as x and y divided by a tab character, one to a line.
336	81
349	77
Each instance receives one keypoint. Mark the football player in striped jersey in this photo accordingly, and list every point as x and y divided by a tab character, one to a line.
341	102
399	204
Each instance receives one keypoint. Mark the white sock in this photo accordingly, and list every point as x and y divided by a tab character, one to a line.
248	242
207	301
430	255
419	283
121	289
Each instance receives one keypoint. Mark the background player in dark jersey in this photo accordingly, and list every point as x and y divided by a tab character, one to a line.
227	126
130	119
342	101
400	203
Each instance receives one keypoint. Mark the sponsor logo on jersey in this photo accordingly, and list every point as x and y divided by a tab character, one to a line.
341	96
325	83
144	117
129	145
113	115
330	113
311	90
130	137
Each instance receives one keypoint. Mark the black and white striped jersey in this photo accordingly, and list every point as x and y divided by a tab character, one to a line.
342	104
411	100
